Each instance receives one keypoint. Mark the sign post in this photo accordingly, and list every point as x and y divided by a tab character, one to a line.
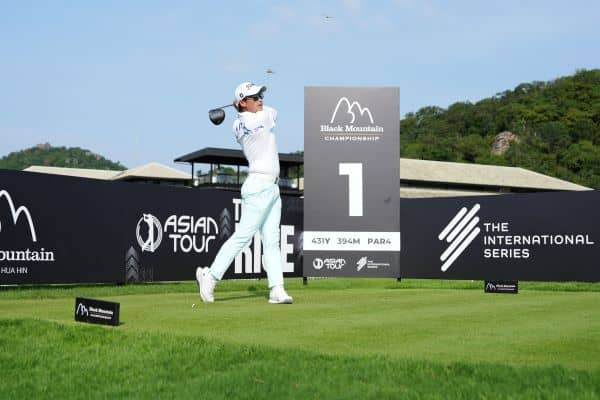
352	182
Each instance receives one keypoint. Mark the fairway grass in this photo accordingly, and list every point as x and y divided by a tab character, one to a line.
341	339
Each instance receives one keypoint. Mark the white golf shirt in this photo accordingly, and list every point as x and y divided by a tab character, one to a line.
253	132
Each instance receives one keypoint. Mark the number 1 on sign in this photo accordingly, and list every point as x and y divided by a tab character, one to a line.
355	187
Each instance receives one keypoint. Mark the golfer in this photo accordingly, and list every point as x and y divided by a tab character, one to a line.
261	204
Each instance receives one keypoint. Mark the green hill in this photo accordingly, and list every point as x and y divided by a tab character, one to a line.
45	154
556	123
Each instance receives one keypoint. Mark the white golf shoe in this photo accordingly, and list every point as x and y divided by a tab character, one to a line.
279	296
206	284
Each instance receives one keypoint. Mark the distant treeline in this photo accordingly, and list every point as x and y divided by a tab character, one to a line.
46	155
557	125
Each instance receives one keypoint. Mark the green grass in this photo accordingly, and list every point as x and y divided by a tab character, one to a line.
342	338
58	291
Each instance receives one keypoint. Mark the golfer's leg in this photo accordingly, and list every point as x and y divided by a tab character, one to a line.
270	235
253	211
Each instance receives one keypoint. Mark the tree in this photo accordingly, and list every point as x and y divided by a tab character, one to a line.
553	121
583	156
46	155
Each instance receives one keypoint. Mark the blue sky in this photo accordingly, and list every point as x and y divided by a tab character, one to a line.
133	80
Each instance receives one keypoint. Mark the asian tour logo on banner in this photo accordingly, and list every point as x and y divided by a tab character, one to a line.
187	233
154	233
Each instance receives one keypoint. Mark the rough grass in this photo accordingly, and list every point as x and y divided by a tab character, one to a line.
50	360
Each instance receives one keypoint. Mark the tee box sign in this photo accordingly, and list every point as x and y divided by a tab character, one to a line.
97	311
352	182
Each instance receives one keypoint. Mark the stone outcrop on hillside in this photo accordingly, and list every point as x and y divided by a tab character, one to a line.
502	142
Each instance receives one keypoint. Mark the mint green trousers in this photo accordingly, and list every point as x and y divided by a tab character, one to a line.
261	211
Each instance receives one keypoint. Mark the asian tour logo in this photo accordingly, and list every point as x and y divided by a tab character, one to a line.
460	232
21	213
154	233
329	263
317	263
187	233
350	121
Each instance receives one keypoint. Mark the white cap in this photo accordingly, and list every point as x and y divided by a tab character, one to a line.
246	89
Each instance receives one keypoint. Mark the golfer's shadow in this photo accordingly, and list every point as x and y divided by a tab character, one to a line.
258	293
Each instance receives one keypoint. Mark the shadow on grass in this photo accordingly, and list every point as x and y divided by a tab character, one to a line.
247	296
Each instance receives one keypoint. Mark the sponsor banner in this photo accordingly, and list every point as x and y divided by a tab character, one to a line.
351	264
179	229
97	311
352	177
59	229
533	236
501	287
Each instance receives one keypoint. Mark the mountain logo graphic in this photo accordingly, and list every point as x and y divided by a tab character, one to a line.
460	232
17	212
349	110
82	310
154	229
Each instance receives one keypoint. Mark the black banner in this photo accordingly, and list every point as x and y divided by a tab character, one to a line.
534	236
59	229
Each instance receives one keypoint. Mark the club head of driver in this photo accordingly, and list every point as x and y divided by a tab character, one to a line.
216	115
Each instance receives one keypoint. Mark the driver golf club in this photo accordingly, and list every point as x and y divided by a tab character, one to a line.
217	115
